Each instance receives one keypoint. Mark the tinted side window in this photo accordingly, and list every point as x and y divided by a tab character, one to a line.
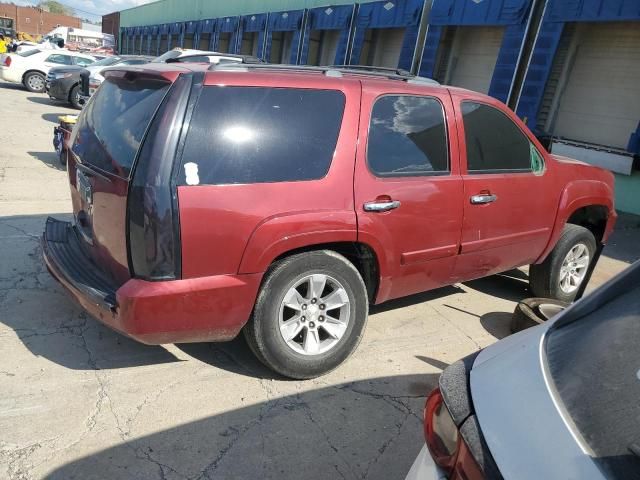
407	136
257	134
494	142
60	59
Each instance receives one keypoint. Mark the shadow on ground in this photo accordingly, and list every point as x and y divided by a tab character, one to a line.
44	100
11	86
623	243
50	159
46	320
369	429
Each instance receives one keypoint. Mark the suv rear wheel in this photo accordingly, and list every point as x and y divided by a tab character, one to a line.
310	314
564	270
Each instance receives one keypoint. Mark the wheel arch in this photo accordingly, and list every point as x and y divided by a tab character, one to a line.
32	70
360	255
586	203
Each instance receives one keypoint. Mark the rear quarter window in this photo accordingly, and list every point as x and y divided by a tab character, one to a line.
259	134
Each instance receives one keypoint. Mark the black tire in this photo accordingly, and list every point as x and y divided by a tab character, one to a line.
544	278
74	97
528	313
263	332
30	83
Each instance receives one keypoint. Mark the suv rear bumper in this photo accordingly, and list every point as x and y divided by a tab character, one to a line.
175	311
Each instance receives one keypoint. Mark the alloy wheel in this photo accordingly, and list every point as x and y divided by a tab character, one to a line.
574	268
314	314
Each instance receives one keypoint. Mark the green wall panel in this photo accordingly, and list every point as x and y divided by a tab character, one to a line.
628	193
165	11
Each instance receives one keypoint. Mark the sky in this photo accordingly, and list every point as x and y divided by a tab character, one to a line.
92	9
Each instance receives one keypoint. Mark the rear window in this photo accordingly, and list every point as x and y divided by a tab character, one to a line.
257	135
113	123
595	366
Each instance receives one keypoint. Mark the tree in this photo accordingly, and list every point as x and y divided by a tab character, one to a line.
55	7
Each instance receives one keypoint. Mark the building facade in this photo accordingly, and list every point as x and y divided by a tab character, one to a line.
36	21
570	70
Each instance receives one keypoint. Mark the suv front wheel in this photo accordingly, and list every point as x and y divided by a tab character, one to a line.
310	314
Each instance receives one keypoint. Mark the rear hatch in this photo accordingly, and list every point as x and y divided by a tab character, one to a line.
105	145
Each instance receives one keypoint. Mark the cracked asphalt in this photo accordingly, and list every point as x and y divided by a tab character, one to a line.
78	401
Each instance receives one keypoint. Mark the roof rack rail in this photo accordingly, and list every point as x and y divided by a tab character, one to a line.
244	58
372	69
331	71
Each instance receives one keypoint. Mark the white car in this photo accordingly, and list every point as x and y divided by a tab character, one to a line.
198	56
31	67
95	69
178	55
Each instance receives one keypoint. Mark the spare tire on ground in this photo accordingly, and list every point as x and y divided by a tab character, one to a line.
533	311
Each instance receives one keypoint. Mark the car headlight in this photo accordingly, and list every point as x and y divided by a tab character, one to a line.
59	76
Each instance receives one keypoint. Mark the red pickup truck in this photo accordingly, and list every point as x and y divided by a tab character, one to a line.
283	201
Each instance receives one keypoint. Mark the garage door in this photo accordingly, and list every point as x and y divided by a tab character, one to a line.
382	47
600	101
473	57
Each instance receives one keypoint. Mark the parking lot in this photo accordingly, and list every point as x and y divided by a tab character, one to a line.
80	401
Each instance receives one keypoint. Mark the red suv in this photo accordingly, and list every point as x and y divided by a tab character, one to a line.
283	201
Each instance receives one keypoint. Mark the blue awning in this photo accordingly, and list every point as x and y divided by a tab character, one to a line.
254	23
228	24
206	26
190	27
330	18
286	21
175	28
487	12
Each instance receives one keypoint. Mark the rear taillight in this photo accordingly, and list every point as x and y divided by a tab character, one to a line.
446	443
440	432
153	222
7	61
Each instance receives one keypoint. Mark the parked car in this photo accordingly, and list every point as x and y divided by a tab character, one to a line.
180	55
556	401
64	83
95	75
282	201
31	67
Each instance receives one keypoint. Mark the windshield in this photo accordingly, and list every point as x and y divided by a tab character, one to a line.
111	127
595	366
105	62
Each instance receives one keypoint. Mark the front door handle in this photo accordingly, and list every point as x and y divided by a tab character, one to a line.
383	206
483	198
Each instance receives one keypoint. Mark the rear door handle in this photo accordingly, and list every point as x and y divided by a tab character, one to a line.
381	206
483	198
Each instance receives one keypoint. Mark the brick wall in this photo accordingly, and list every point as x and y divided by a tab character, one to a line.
35	21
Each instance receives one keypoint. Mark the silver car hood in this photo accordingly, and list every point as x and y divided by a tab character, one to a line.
525	427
